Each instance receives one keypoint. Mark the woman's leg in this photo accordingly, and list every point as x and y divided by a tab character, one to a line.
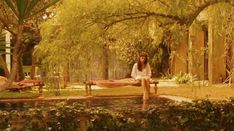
145	105
147	84
146	88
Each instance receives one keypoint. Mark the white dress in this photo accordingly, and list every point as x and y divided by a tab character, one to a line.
144	74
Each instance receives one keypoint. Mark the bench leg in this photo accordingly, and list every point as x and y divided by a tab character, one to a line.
89	90
86	90
155	89
40	90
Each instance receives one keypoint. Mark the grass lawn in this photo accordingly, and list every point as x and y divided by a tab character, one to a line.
12	95
120	91
214	92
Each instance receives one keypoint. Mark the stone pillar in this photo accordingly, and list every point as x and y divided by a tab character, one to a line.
210	54
216	55
180	63
8	50
196	51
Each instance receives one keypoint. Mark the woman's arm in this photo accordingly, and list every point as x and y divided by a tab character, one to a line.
134	71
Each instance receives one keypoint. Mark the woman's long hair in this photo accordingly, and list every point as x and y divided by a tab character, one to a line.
140	66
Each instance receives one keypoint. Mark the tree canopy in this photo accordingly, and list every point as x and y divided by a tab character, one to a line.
82	28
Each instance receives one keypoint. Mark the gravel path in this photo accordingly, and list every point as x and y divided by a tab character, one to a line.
176	98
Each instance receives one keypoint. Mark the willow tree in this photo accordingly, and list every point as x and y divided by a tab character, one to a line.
81	27
70	38
160	21
15	17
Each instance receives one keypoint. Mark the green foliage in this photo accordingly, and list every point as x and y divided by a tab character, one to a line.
17	18
104	120
58	117
167	76
81	30
199	115
203	115
70	37
101	23
11	94
4	121
184	78
23	9
156	120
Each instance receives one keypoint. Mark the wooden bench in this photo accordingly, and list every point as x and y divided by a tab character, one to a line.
89	84
27	84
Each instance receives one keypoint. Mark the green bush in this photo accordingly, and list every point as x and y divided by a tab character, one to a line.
157	121
184	78
102	120
199	115
203	115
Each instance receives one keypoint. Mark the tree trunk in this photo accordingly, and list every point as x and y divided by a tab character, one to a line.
65	76
33	67
20	72
4	66
106	62
17	51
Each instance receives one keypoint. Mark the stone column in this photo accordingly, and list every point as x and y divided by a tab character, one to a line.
217	60
196	51
210	53
180	59
8	50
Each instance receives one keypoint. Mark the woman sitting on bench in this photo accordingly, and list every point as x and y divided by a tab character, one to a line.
141	72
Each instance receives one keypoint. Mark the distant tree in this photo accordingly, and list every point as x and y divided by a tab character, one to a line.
16	16
71	36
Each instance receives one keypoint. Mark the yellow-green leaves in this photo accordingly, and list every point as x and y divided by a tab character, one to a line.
27	8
